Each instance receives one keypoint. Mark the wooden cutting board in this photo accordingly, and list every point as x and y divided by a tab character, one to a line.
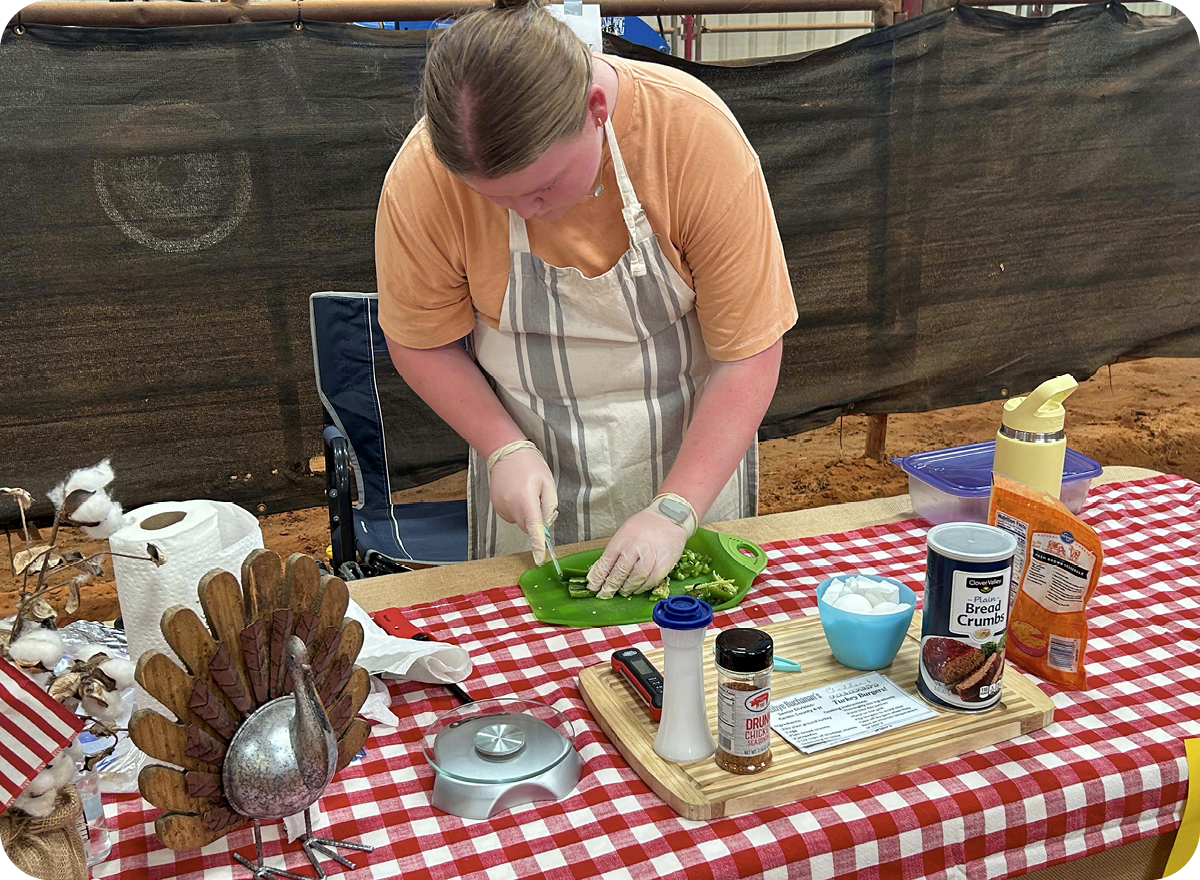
702	790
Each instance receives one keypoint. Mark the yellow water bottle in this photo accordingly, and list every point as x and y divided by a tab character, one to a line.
1031	445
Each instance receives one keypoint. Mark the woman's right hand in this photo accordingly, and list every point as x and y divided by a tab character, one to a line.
522	491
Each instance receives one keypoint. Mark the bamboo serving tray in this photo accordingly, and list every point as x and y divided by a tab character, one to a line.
702	790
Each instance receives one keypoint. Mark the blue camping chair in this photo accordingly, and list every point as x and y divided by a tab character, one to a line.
361	392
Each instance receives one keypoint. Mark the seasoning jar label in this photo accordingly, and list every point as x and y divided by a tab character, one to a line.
743	721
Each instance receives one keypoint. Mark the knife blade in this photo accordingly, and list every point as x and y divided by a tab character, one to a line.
550	550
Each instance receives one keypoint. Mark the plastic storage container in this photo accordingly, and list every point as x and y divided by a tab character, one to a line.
954	485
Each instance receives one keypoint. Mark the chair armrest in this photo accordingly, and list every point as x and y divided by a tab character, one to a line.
337	496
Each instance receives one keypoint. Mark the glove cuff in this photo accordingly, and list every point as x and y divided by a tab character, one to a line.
677	509
508	449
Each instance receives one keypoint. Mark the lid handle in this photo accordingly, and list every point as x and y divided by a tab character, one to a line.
1052	391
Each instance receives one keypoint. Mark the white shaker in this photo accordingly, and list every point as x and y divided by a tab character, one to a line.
683	731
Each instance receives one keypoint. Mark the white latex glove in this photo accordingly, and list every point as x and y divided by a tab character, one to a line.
522	491
639	556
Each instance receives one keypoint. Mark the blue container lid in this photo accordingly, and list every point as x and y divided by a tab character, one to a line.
966	471
683	612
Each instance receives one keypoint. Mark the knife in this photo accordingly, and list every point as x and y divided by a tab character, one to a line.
550	550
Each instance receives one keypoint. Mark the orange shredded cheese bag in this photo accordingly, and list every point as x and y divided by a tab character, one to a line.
1055	572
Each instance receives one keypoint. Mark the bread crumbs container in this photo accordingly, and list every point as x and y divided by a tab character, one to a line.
965	615
744	658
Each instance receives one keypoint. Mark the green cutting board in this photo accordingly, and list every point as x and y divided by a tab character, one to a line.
734	558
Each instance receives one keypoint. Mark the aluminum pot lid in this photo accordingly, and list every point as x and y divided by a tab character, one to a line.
498	741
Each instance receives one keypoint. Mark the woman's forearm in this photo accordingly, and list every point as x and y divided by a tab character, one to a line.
725	423
449	380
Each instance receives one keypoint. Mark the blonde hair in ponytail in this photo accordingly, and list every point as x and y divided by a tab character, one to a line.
503	85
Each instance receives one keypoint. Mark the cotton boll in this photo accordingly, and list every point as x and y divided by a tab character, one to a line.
90	478
853	603
74	751
37	805
62	759
111	712
87	651
120	671
49	636
41	679
44	781
114	519
96	508
38	645
64	770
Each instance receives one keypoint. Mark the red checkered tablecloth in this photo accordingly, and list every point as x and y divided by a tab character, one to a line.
1109	770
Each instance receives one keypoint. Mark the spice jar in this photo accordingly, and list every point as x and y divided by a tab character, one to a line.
743	658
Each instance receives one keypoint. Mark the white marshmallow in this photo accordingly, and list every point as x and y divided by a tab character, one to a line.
890	608
859	594
853	603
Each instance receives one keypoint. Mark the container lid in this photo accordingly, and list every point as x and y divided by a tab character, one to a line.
683	612
744	650
971	542
498	741
966	471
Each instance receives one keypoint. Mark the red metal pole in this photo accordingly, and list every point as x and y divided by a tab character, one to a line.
689	34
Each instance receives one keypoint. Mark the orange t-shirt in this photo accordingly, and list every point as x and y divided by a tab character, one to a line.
441	249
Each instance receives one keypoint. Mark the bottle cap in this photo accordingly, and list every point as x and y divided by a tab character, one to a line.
683	612
1042	411
744	650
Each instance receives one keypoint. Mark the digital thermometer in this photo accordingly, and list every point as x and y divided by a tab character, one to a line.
641	674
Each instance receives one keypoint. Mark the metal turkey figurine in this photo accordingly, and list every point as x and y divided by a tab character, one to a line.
252	732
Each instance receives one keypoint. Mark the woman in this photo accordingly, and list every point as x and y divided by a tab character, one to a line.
600	232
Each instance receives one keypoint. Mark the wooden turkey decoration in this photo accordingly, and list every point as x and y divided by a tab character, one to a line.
241	661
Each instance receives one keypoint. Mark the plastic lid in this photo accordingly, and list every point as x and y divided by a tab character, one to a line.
683	612
1041	411
971	542
966	471
744	650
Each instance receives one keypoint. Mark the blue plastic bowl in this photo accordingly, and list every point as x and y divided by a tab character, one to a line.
865	641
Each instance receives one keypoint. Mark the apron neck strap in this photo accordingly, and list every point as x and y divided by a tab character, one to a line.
631	209
628	196
518	234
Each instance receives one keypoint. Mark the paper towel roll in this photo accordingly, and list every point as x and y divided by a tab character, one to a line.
195	537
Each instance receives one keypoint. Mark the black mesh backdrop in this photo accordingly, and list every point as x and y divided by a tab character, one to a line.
969	203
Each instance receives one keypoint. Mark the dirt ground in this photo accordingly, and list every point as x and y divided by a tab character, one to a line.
1142	413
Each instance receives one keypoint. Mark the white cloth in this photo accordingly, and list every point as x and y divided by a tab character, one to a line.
430	662
602	374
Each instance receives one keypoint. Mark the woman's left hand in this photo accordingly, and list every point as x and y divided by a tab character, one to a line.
639	556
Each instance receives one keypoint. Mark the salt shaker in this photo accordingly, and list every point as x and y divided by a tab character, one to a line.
683	731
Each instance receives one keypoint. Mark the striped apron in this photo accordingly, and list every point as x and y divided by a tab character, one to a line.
602	374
